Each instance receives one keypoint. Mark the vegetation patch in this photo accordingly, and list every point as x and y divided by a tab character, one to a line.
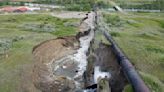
154	49
128	88
113	20
161	22
78	7
153	83
116	21
115	34
142	41
5	45
38	27
18	36
133	23
147	36
71	24
69	31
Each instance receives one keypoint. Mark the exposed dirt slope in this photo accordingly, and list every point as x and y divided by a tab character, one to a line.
44	54
105	58
108	62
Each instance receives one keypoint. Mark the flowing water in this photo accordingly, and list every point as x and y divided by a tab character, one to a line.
81	56
73	66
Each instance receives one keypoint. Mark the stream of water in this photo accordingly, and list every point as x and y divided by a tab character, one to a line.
78	61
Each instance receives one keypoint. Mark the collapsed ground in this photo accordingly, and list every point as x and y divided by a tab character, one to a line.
141	38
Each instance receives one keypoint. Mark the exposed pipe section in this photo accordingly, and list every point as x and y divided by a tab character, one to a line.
133	77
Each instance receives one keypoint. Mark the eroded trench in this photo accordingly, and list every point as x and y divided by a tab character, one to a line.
75	64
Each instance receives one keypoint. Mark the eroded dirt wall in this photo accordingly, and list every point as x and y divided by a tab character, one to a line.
104	57
44	54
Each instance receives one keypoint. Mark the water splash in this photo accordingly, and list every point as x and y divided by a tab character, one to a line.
81	56
99	74
85	41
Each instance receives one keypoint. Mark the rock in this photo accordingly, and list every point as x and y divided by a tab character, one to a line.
103	86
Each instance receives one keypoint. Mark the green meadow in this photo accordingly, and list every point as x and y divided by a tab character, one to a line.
141	37
18	35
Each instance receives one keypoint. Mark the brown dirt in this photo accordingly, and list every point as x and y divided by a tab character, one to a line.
44	54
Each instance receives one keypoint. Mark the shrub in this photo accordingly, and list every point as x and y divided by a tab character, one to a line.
5	45
78	7
113	20
115	34
102	4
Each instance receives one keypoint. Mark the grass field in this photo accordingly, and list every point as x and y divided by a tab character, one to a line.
17	39
141	37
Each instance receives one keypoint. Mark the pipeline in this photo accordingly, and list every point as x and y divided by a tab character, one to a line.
132	76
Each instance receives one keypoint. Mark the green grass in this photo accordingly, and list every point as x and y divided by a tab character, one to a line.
15	69
142	40
14	22
128	88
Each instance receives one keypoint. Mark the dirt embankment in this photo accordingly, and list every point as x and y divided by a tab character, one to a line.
46	53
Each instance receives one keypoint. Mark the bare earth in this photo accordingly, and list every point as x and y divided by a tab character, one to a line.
44	54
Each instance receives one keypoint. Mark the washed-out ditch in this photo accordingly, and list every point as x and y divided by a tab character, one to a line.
75	64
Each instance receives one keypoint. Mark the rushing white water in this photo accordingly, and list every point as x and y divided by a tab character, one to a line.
89	90
77	61
99	74
81	56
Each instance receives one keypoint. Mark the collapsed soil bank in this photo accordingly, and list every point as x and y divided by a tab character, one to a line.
58	61
104	57
44	54
43	75
60	69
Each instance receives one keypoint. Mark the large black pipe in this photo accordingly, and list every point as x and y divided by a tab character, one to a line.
132	76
